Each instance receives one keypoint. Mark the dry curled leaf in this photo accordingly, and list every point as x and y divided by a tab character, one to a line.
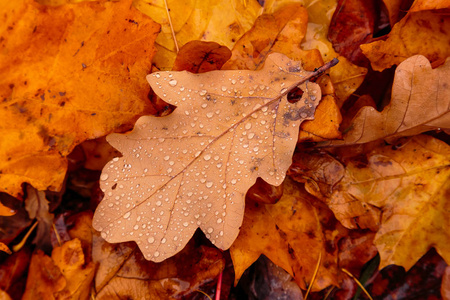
420	102
193	168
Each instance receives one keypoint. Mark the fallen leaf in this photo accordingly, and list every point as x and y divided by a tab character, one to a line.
421	32
200	57
97	153
319	171
13	273
355	250
352	24
69	258
192	168
68	73
124	273
420	102
419	5
37	207
223	22
409	183
45	280
291	235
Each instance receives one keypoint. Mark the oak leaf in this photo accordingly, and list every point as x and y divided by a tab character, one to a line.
424	33
420	102
67	74
401	191
193	168
291	234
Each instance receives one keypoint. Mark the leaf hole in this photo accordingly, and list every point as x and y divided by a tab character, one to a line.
295	95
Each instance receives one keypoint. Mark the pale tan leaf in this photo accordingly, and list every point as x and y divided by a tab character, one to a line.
192	169
420	102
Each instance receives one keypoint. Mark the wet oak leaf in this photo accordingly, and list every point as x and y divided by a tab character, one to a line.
68	73
410	184
291	235
424	33
192	169
420	102
223	22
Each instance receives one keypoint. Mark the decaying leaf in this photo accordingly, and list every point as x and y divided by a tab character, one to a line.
420	102
67	74
291	235
403	192
419	32
192	168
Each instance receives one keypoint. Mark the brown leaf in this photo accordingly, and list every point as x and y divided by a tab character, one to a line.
352	24
37	207
200	57
420	102
193	168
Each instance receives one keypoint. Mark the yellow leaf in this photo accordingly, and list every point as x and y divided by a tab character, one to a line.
67	74
223	22
192	169
410	184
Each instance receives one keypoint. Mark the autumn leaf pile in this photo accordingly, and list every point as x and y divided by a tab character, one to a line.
168	149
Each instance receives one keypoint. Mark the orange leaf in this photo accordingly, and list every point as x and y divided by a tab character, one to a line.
425	32
67	74
291	235
192	168
45	280
70	260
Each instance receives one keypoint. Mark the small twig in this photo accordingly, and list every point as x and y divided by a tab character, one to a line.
204	294
357	282
219	286
19	246
314	276
58	238
171	26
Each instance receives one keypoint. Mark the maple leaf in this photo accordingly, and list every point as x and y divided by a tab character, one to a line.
54	61
420	102
192	168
